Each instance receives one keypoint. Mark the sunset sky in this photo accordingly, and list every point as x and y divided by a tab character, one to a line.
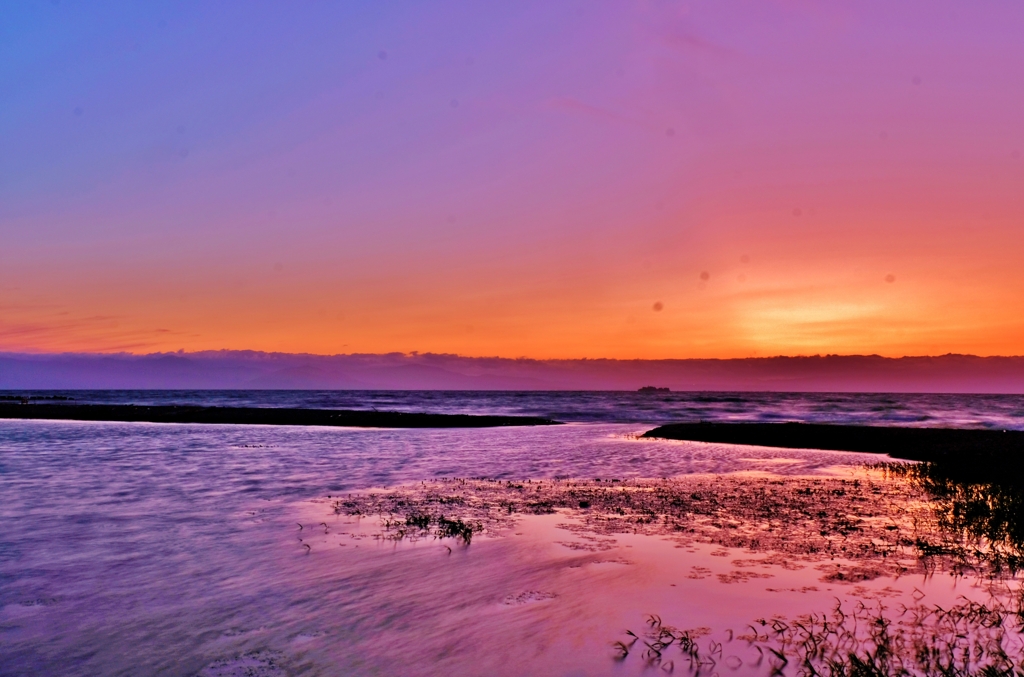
543	179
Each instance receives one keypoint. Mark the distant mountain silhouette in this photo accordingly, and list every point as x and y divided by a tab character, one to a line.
397	371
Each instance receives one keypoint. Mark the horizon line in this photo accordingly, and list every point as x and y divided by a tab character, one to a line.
416	353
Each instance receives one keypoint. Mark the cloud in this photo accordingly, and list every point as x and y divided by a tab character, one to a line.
100	333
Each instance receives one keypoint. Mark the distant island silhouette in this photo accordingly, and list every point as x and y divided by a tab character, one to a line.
653	389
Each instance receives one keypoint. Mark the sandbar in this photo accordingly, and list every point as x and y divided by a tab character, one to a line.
260	416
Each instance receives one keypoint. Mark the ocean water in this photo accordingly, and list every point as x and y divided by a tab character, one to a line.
934	410
138	549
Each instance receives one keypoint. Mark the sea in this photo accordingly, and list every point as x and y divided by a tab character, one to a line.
177	549
931	410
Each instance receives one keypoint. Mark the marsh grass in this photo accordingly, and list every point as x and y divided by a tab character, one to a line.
979	524
889	520
852	640
968	527
876	515
419	524
454	528
900	517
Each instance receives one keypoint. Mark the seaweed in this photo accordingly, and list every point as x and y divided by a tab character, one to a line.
454	528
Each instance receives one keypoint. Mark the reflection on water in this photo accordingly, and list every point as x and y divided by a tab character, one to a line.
863	517
130	549
850	535
976	534
967	638
981	517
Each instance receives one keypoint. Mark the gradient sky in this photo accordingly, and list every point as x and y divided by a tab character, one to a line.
543	179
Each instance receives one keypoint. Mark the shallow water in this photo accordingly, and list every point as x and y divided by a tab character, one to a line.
131	549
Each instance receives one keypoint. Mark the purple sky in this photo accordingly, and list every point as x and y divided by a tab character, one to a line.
621	179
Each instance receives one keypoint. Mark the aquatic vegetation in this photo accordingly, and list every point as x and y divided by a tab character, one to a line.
418	524
890	519
968	527
979	519
877	515
454	528
969	638
886	520
421	522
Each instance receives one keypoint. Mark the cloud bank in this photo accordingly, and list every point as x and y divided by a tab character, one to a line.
397	371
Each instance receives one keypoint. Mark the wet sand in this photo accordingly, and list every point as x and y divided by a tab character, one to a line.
259	416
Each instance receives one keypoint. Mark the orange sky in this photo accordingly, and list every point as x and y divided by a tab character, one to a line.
596	180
